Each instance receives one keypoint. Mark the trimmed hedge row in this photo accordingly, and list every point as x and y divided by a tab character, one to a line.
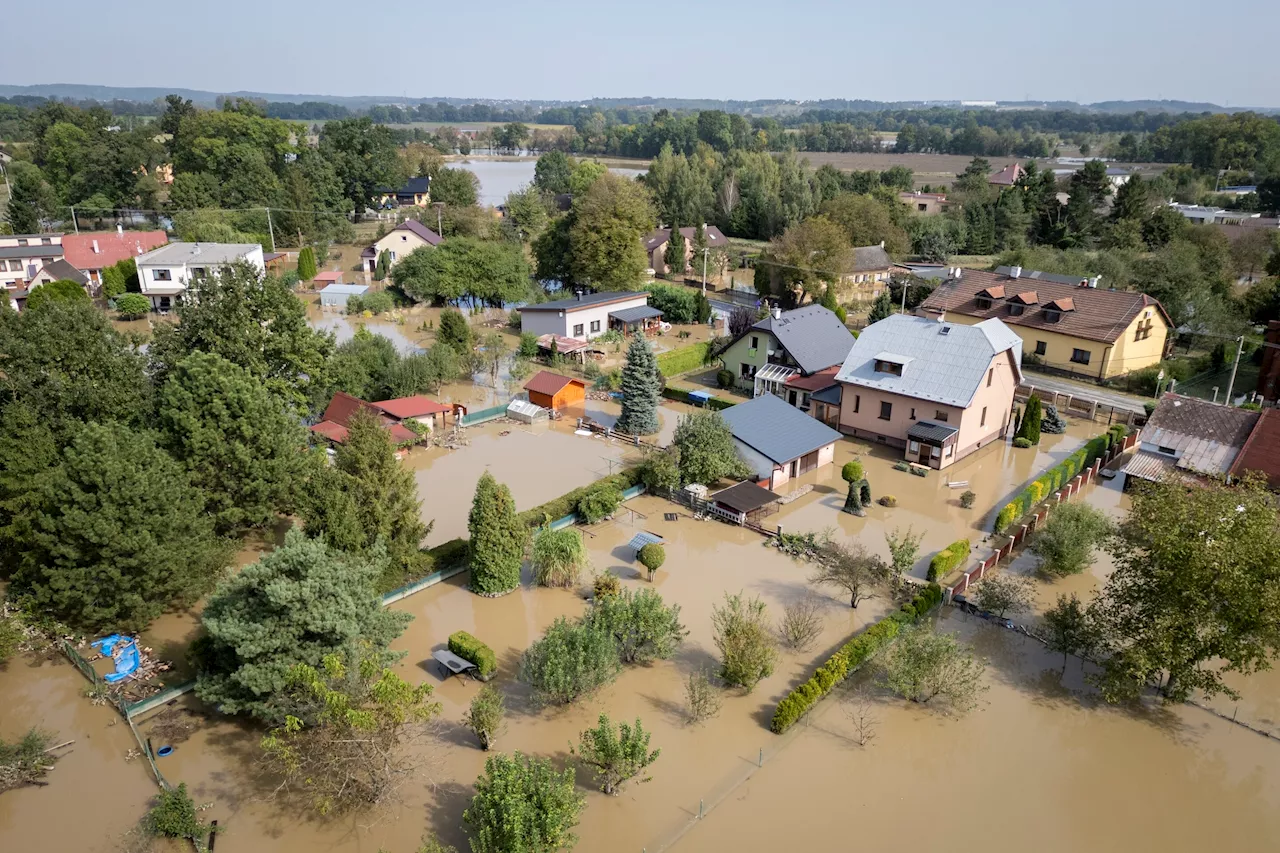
469	648
1058	476
851	655
568	503
948	558
683	360
449	554
682	395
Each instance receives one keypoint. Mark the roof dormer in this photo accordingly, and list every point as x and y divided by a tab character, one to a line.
988	296
1018	302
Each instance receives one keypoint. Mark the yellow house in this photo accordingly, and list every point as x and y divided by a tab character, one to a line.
1066	323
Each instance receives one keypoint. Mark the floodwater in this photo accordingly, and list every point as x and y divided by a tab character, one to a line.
501	177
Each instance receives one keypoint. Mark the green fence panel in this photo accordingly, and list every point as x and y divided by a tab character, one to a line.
472	418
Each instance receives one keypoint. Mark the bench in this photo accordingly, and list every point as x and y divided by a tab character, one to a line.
454	664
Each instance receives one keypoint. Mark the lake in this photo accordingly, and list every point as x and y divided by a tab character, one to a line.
498	178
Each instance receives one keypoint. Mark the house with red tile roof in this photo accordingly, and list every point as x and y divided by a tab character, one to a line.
1261	452
93	251
420	409
338	414
1008	176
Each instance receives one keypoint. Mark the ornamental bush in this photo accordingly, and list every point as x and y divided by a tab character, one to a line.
724	378
470	649
570	661
948	558
600	502
1022	443
852	471
652	556
131	306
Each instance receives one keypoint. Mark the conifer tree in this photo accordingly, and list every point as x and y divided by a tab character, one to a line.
881	308
641	387
673	257
1030	426
307	263
497	538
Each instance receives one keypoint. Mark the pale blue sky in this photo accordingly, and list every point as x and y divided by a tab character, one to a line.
1088	50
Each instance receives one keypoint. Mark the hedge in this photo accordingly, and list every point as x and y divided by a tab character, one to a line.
567	504
469	648
1058	476
850	656
948	558
682	395
683	360
450	554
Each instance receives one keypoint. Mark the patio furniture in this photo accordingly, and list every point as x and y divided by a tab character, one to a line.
454	664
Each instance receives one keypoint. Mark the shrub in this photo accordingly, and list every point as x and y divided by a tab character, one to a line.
615	756
888	500
948	558
470	649
131	306
568	662
606	584
1031	419
643	627
902	465
1149	407
175	816
600	502
678	304
801	624
1022	443
522	803
448	555
528	345
702	699
743	638
683	360
848	658
852	471
558	557
724	379
485	716
919	472
652	556
567	503
11	637
1055	478
967	498
379	302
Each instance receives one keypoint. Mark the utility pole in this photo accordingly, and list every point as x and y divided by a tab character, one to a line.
439	206
704	270
904	297
1232	384
270	229
74	224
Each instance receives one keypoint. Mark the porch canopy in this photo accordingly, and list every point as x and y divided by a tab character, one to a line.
635	315
928	432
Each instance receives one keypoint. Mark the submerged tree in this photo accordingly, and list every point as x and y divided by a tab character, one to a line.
1005	593
1068	628
497	538
523	804
616	755
851	568
644	628
928	667
1065	544
641	389
559	558
570	661
485	716
706	449
745	642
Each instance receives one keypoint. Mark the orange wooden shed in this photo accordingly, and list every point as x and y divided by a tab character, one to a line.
553	391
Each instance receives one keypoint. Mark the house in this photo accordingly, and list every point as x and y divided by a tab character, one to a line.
416	192
553	391
1261	452
59	270
333	425
93	251
336	295
22	256
1118	177
1008	176
871	265
924	203
1202	215
165	274
1269	372
940	390
588	315
1189	438
777	441
655	246
783	352
422	410
1067	324
398	243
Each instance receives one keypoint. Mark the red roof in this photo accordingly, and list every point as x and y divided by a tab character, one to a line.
1262	450
328	275
815	382
112	247
338	415
401	435
343	406
331	431
546	382
412	407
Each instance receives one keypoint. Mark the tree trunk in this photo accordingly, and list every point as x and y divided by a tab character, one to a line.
853	600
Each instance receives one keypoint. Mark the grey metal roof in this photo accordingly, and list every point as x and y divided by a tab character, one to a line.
776	430
948	360
829	395
586	300
350	289
812	335
198	253
31	251
930	431
635	315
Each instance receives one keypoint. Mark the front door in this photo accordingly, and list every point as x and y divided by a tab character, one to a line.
792	398
795	468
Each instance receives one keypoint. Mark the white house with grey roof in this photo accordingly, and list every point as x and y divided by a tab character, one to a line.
790	354
165	274
778	441
938	390
584	316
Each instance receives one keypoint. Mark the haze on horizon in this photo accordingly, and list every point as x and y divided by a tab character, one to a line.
1085	51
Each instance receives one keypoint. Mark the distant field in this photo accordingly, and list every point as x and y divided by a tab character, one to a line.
458	125
927	168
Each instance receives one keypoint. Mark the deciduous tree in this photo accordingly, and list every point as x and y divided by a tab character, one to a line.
1065	544
521	803
851	568
933	669
604	238
570	661
616	755
742	635
706	449
1005	593
644	628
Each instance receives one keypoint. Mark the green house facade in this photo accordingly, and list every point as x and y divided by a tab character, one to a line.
789	354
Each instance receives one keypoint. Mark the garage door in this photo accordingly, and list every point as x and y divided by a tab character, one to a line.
809	462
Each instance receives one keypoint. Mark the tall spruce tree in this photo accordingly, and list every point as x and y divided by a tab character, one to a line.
673	256
641	388
1030	426
497	538
307	263
881	308
114	534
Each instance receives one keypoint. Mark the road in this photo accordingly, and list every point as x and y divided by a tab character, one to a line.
1086	391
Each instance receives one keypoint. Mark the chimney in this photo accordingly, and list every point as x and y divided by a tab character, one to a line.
777	313
881	244
1093	282
942	316
1016	272
95	247
955	272
578	295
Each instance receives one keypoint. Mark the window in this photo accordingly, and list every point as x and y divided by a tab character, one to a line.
755	342
857	403
940	415
983	421
935	451
22	241
199	273
46	241
1016	310
16	266
886	411
913	447
912	416
161	275
393	257
1080	356
888	367
747	371
595	326
1041	347
46	261
577	331
922	207
983	302
1051	316
1168	451
950	448
404	238
991	374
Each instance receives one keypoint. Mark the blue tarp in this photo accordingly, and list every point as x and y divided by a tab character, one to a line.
124	651
702	397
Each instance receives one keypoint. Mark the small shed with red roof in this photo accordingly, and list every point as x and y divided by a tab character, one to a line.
553	391
420	409
337	417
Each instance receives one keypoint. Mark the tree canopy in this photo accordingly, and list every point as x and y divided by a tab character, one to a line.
464	268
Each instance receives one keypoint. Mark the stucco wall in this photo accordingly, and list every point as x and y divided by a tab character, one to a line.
867	417
742	353
563	322
400	243
997	399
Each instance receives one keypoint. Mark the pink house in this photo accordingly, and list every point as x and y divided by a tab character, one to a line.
938	390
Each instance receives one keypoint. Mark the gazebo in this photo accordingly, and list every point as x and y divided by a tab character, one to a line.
744	503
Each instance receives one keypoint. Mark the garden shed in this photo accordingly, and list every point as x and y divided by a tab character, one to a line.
336	295
553	391
744	503
525	412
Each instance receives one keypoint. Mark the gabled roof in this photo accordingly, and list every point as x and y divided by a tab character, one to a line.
343	406
1026	297
1207	437
713	235
948	361
1063	303
824	378
416	406
1099	315
1007	176
112	247
867	258
431	237
776	430
60	269
337	416
585	300
1262	450
812	335
546	382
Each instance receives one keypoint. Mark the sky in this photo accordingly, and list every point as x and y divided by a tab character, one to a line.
1084	51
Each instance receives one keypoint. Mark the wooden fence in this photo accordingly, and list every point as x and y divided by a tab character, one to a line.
1038	517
